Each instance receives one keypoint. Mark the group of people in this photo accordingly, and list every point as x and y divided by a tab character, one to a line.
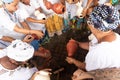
20	32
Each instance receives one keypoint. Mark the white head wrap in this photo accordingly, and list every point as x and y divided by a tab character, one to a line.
20	51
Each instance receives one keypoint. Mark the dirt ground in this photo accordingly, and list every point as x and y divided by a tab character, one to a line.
57	47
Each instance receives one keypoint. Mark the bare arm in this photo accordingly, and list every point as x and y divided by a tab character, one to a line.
86	7
7	39
36	21
77	63
84	45
89	3
25	25
26	31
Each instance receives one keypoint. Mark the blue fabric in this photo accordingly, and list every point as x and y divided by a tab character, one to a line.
108	14
7	1
35	44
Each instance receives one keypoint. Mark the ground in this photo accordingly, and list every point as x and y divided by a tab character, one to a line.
57	47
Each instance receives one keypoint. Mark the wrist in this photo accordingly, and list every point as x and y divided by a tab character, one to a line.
86	7
73	62
29	32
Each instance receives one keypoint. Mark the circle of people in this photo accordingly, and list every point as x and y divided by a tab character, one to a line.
23	23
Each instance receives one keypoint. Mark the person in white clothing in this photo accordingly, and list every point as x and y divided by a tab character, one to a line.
54	20
12	58
102	59
27	15
9	24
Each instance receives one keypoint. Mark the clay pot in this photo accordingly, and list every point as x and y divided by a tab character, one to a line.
58	8
72	47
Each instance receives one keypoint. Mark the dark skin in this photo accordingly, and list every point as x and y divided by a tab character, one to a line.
8	64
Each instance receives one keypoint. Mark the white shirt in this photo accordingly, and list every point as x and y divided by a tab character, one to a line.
20	73
7	24
25	11
103	55
70	9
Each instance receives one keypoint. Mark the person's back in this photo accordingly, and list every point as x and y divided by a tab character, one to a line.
103	55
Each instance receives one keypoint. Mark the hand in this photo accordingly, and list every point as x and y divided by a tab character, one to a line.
81	75
45	53
70	60
38	33
43	21
28	38
84	12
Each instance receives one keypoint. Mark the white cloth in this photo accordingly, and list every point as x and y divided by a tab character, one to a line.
103	55
19	73
25	11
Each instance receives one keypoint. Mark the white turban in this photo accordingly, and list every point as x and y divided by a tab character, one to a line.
20	51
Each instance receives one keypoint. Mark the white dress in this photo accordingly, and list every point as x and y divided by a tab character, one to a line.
7	24
103	55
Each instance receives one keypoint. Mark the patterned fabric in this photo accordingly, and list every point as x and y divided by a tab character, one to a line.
106	74
104	17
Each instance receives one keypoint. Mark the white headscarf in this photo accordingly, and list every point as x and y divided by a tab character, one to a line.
20	51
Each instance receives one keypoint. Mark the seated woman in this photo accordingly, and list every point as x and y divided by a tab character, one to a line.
103	58
12	58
